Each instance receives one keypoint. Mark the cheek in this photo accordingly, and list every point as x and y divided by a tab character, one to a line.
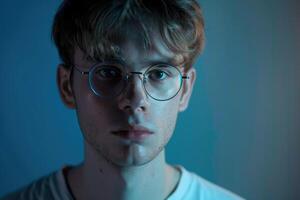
90	117
94	116
90	108
167	117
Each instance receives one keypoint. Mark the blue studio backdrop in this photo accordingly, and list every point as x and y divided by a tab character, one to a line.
240	130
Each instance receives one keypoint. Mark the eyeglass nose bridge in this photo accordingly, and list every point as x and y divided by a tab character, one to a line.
130	74
141	77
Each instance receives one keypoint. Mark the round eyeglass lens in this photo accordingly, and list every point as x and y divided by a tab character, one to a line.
162	82
106	80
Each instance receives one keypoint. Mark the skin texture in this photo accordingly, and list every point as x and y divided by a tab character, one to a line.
115	168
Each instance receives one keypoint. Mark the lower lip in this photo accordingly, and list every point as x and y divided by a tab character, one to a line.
133	135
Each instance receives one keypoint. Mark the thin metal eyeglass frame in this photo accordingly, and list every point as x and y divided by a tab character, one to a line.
126	78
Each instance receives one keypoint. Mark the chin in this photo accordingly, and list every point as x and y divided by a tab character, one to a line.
134	155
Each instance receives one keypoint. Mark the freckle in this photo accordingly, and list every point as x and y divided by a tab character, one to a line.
101	170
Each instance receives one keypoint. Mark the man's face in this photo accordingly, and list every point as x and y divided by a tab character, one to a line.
100	118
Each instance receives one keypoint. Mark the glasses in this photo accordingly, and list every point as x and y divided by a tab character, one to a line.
108	79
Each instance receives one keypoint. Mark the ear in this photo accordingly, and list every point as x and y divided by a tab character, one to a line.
64	86
187	89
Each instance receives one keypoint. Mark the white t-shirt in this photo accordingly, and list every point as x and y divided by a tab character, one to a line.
190	187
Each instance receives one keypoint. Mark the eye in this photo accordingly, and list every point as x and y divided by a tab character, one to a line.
108	73
161	72
157	75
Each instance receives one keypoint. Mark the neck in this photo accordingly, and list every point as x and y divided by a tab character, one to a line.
100	178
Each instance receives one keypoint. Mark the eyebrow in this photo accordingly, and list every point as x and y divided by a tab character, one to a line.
177	60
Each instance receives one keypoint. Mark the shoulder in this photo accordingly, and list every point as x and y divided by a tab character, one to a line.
192	186
46	187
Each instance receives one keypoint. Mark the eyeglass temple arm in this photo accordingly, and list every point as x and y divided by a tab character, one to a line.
82	72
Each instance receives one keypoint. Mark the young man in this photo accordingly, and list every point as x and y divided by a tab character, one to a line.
127	71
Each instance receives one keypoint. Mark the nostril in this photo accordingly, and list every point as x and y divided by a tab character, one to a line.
131	109
133	99
130	106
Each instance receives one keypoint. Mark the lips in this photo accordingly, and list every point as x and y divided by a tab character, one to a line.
134	133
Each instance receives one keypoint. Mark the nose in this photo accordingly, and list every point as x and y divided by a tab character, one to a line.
134	97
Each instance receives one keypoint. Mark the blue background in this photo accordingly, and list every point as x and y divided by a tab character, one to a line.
241	130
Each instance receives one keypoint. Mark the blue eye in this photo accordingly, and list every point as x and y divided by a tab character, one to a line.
157	75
